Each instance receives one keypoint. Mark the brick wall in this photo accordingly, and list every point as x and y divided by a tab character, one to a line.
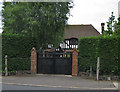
75	62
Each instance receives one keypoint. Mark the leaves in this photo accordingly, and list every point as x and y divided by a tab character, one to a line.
113	27
92	47
44	21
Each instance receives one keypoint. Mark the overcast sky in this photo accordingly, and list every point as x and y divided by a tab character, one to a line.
91	12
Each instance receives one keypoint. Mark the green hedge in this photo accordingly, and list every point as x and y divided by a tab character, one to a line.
18	64
0	51
107	48
17	47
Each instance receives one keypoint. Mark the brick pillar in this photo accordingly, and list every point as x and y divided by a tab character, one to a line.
75	62
33	61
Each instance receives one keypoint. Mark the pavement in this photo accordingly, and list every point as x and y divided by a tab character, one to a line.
19	87
59	81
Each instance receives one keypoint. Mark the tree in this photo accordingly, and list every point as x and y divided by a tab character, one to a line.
117	27
113	26
44	21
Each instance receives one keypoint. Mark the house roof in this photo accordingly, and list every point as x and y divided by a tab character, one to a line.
77	31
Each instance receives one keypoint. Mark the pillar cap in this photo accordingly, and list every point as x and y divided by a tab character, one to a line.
75	50
33	49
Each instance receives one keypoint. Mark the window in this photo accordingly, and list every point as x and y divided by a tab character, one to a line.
72	46
50	46
76	46
62	45
73	41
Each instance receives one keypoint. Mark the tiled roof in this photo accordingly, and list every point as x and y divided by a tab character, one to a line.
77	31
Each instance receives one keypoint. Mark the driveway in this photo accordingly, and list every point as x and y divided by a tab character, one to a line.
58	81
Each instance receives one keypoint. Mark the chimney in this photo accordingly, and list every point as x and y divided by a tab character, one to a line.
102	27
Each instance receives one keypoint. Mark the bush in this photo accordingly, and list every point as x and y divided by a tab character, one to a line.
17	47
108	52
18	64
104	47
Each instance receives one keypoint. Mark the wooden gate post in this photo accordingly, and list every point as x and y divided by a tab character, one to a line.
90	71
75	62
33	61
6	66
98	67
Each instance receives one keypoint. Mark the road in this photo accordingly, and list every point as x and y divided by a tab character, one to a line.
54	82
20	87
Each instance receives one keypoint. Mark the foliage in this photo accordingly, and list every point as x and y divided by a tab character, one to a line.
28	25
18	64
104	47
18	49
0	51
44	21
113	27
15	45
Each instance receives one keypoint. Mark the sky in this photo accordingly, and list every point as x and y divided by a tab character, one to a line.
92	12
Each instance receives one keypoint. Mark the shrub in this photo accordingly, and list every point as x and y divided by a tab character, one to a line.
17	47
18	64
104	47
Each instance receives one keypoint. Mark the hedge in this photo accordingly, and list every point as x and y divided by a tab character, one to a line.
18	49
15	45
107	48
0	51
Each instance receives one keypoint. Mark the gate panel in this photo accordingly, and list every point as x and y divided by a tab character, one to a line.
63	66
54	64
46	66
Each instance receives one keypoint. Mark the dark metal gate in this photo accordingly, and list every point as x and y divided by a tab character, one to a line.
54	63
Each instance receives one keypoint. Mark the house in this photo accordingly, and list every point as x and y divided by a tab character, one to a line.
73	33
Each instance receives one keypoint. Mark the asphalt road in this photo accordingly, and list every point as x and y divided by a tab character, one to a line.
19	88
54	82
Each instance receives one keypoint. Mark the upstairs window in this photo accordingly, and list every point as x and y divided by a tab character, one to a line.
73	41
